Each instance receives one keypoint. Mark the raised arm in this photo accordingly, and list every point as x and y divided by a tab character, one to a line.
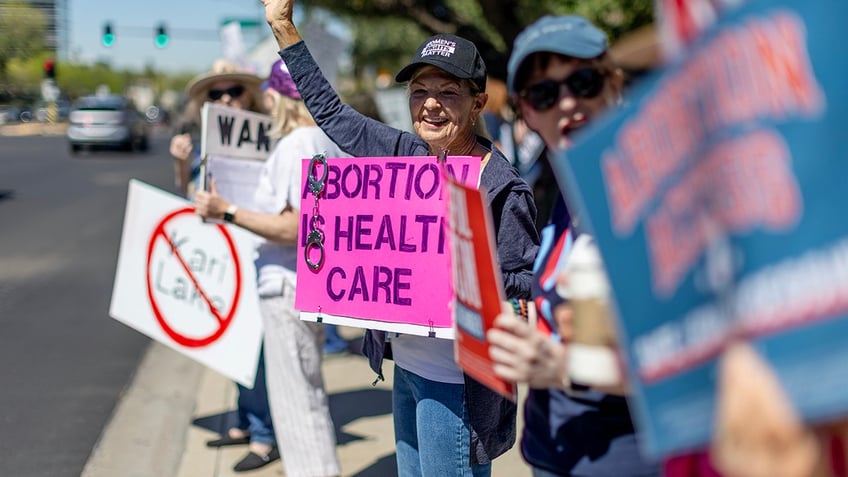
355	133
278	14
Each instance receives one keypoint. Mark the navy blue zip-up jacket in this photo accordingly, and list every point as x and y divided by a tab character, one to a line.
513	210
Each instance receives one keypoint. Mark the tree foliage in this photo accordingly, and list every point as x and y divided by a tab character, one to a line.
23	83
22	30
386	32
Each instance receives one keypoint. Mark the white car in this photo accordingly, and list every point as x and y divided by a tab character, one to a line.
106	121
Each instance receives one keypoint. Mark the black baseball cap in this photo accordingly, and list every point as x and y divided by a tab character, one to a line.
454	54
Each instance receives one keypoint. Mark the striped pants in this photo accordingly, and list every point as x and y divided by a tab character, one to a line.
299	408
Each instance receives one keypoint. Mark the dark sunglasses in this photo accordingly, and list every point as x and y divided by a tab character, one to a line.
586	83
232	91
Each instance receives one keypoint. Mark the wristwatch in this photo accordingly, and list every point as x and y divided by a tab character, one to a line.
230	214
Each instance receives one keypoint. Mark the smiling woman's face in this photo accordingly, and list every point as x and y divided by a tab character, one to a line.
444	110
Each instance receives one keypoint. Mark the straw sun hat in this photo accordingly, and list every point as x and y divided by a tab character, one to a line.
224	70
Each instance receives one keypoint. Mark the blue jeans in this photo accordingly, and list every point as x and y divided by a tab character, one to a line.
333	342
432	431
254	412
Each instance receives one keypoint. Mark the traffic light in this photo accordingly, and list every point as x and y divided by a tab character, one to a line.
161	39
49	68
108	35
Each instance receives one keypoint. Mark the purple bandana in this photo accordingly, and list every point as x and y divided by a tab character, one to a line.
280	80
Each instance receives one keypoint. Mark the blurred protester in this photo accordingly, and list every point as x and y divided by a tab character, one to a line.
445	422
562	79
497	113
293	347
364	103
225	84
521	145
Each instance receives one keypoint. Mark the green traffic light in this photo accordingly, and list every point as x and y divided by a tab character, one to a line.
108	36
161	39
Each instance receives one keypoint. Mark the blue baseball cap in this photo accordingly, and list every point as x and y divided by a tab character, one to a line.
569	35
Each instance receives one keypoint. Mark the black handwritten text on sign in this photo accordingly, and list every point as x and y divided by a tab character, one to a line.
244	133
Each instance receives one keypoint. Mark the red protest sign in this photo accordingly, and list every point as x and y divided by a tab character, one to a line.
478	289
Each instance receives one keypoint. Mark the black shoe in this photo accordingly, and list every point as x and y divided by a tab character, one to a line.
254	461
226	440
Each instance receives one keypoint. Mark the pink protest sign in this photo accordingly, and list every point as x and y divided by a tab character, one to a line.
382	226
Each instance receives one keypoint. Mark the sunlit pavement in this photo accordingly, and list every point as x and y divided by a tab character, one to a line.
33	129
175	405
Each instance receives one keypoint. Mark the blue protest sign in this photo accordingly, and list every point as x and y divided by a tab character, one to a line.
714	196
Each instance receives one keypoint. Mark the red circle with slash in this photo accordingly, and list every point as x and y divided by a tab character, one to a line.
224	321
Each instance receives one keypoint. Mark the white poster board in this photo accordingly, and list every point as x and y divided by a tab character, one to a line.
188	284
234	146
232	43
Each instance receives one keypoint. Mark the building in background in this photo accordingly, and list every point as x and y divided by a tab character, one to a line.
56	14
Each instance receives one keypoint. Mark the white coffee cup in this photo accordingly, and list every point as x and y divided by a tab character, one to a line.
593	360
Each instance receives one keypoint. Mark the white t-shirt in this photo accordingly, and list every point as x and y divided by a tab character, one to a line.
280	185
430	358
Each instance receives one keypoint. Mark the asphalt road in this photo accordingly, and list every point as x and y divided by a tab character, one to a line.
63	362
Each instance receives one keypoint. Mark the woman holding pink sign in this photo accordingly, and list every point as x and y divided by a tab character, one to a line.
445	422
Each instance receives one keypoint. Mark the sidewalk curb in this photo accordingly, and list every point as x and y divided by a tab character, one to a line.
146	434
33	129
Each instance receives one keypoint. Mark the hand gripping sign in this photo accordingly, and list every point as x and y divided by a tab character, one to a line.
188	284
373	246
477	283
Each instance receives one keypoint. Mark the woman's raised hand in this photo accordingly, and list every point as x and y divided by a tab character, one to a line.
278	14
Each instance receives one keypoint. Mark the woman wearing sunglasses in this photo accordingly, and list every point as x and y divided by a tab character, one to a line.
562	78
224	84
